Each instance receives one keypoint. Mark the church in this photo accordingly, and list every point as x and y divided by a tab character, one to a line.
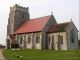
39	33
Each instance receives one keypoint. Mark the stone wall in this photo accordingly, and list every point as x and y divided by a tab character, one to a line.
62	46
32	44
69	28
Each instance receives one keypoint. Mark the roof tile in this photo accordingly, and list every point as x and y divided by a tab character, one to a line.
58	27
33	25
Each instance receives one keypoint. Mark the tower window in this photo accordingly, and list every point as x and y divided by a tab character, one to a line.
23	16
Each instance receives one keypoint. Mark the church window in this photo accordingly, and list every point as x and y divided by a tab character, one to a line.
52	38
60	39
17	39
29	38
49	39
23	16
21	39
37	38
52	44
72	37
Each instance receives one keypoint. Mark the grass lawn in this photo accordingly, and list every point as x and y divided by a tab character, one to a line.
42	55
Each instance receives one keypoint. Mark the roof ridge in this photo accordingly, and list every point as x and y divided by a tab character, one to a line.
57	27
40	17
63	23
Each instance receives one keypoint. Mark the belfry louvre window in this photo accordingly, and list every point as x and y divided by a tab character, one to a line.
29	38
37	38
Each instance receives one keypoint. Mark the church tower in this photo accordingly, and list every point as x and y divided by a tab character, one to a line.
17	15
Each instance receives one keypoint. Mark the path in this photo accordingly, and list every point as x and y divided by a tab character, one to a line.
1	56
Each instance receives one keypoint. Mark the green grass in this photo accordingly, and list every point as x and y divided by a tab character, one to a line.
42	54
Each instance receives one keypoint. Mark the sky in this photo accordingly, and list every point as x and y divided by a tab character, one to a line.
63	11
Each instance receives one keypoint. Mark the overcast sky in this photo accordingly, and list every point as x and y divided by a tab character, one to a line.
63	11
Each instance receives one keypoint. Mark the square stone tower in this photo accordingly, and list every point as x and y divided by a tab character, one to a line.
17	15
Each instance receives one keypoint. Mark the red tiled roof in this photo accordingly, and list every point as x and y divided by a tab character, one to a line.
33	25
58	27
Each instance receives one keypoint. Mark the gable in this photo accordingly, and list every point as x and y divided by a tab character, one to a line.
50	22
71	26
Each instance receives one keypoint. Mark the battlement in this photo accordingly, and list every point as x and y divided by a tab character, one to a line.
21	8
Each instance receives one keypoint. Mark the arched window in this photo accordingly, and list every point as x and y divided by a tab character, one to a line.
29	38
52	44
21	39
72	36
49	39
37	38
60	39
17	38
23	16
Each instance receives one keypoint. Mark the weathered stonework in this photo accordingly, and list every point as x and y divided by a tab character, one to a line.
32	43
62	46
17	15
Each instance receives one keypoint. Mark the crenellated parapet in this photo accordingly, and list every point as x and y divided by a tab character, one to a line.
18	7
